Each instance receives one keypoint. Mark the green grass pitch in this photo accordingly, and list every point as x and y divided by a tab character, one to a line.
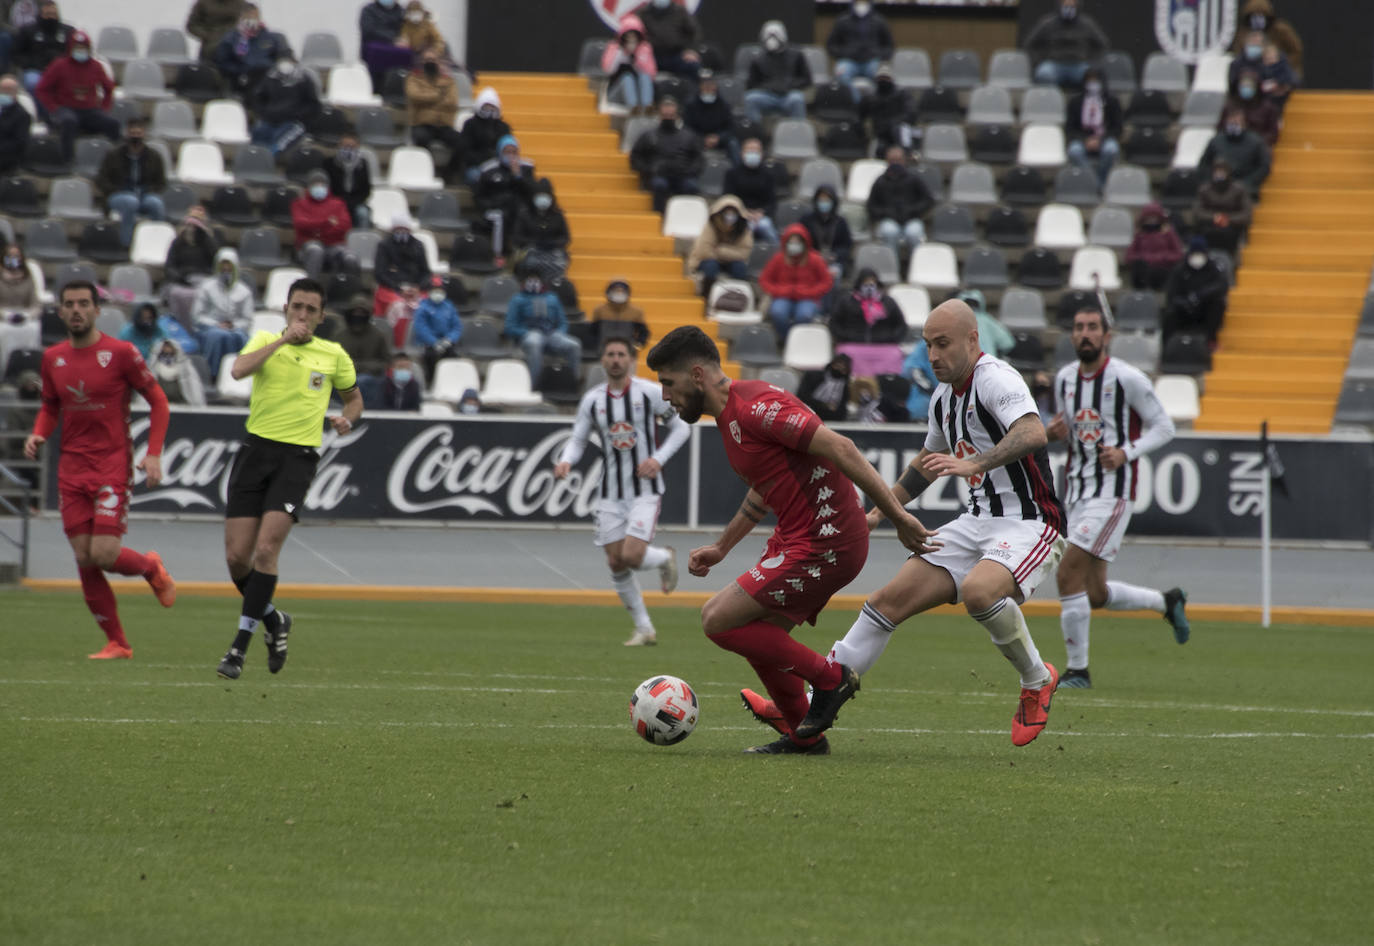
430	773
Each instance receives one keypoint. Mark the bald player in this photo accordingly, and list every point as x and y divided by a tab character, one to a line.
984	428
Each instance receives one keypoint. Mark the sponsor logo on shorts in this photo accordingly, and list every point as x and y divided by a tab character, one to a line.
797	583
107	501
773	562
1004	554
102	358
813	570
755	574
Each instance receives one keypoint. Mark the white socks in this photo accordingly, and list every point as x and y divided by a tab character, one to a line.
1124	597
864	643
656	556
628	588
1075	614
1008	630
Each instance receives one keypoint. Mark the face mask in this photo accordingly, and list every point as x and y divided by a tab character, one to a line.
357	322
402	376
486	111
6	101
400	236
226	279
708	97
81	55
772	44
248	26
730	218
533	286
752	159
869	291
862	9
12	262
167	357
1093	88
469	407
286	67
1253	52
319	191
437	296
1247	92
1151	226
825	206
795	247
415	17
543	201
662	4
895	168
1197	260
618	298
348	155
1234	130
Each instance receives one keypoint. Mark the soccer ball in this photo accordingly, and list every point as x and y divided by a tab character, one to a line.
663	710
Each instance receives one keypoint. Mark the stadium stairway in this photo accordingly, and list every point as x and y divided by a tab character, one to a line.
615	231
1294	312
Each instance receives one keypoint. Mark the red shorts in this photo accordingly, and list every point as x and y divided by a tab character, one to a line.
89	509
797	582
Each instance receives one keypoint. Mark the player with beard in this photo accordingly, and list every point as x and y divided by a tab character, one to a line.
88	381
805	473
1110	416
293	373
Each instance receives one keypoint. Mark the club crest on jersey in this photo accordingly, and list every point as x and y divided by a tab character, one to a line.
1087	426
102	358
316	381
734	431
622	435
963	450
1189	29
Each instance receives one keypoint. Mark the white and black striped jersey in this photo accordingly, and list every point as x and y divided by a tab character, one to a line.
973	419
1114	407
624	423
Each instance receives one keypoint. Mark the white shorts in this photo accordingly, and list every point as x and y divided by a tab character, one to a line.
617	518
1029	549
1097	525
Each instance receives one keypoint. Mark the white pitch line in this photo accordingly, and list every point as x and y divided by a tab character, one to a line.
322	557
196	684
548	564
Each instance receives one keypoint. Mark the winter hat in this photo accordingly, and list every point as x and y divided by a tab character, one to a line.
402	220
884	71
488	96
1197	244
317	177
507	141
618	284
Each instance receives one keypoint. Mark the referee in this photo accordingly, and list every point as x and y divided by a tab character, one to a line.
293	374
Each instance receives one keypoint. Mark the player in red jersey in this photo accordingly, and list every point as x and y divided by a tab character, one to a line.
805	473
88	381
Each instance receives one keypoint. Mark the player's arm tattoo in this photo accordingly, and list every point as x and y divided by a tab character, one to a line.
1025	436
751	510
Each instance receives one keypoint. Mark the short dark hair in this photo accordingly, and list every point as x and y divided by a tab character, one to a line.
1095	309
682	345
79	284
305	284
618	340
137	121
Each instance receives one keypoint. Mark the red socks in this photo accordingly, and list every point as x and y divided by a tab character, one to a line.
767	645
100	599
130	562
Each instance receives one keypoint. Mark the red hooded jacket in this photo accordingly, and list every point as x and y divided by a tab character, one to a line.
325	220
808	278
76	85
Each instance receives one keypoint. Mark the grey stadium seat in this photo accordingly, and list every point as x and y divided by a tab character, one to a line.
1044	103
90	153
71	199
960	69
1139	350
1111	226
143	80
118	44
953	225
794	138
1022	309
911	69
1009	69
756	346
986	268
1077	186
973	184
173	121
254	164
945	143
816	172
321	50
879	258
167	46
1137	312
1127	186
990	105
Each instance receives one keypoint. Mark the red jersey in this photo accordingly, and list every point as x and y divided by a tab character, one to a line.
90	389
766	432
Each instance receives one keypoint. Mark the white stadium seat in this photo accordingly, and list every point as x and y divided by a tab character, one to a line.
934	266
684	217
201	162
508	384
808	348
1093	266
152	240
225	122
453	376
351	85
1059	227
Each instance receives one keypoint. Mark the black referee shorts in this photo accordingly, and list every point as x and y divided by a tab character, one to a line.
270	475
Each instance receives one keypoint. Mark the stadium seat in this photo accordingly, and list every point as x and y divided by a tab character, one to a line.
914	301
1192	142
1027	352
152	240
881	259
833	103
1076	186
437	264
321	50
1024	187
173	121
952	224
230	389
201	162
167	46
990	105
973	185
472	254
634	128
558	384
993	144
44	157
1127	186
1179	190
934	266
1094	266
1064	352
1361	364
1163	73
1179	396
1202	108
1356	404
377	129
385	204
782	377
437	410
90	154
756	346
985	268
71	199
276	205
1111	226
934	179
1185	353
1148	147
439	211
941	104
819	63
116	44
961	69
1142	351
1059	226
1007	227
845	141
255	165
945	143
1042	146
110	321
303	159
816	172
260	248
197	82
100	243
1040	269
482	339
496	294
40	287
729	319
350	86
1022	309
46	240
279	282
412	169
132	279
1043	104
684	217
508	384
143	80
19	197
589	59
794	139
21	360
1118	69
1010	69
911	69
274	322
233	205
789	212
1149	108
808	347
1212	73
71	272
225	122
862	174
711	181
1137	312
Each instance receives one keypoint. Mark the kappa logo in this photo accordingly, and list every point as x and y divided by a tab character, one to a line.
824	493
827	530
814	571
797	583
103	358
734	431
780	596
60	362
819	473
622	435
829	556
825	512
289	507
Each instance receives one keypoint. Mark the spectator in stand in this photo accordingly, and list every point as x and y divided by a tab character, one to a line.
668	158
630	66
1155	249
755	183
20	322
176	375
674	35
535	321
480	135
401	389
993	336
223	311
503	189
778	77
796	280
890	112
143	330
829	231
431	107
616	316
15	123
248	52
1277	78
1093	127
400	261
1195	296
1259	15
827	391
711	117
132	178
321	223
420	33
14	16
1262	116
400	315
379	29
77	95
868	326
190	261
284	102
437	328
859	42
350	179
897	201
724	244
370	350
40	44
1244	152
1221	213
916	369
209	20
541	227
1064	44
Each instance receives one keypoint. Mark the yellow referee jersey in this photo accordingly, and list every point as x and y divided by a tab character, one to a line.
291	389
